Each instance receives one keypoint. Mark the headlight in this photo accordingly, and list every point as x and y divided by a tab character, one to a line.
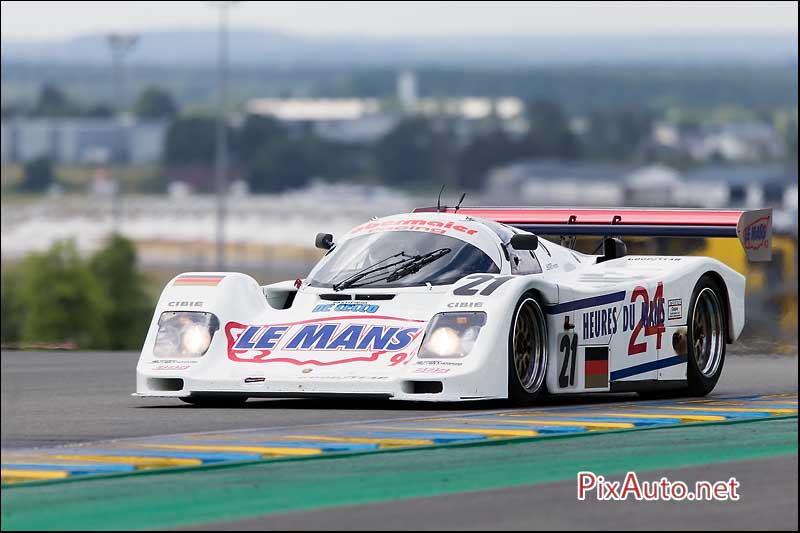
451	335
184	333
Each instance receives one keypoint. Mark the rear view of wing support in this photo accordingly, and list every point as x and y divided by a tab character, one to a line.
753	228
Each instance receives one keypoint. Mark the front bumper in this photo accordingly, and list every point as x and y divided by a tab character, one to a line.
461	387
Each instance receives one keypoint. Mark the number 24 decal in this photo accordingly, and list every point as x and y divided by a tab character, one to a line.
651	318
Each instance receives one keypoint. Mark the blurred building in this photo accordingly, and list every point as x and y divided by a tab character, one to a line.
366	120
653	185
550	182
749	185
351	120
82	140
741	142
407	89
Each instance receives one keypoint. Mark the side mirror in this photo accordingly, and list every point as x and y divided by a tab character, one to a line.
614	248
324	241
524	241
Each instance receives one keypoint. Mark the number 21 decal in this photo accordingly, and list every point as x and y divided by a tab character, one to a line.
567	354
471	288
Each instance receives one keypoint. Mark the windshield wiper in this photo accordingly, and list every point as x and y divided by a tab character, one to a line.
410	266
372	269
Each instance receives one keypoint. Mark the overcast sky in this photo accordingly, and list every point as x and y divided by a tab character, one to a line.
63	19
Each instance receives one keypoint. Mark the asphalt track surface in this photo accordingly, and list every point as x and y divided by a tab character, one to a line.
56	398
51	398
553	506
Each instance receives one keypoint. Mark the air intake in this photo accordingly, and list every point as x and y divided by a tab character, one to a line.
334	297
165	384
422	387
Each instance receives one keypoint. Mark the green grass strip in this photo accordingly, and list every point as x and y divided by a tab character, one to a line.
190	496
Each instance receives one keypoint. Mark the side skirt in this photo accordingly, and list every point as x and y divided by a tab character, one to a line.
648	385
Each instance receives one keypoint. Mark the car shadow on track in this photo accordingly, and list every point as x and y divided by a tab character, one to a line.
350	404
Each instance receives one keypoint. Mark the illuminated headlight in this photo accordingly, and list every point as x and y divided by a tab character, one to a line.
184	333
451	335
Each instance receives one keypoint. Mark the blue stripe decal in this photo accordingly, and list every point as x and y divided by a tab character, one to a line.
583	303
647	367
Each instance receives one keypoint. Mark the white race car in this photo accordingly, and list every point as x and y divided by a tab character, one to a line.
470	304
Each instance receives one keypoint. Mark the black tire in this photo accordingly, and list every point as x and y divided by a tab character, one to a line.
706	325
525	389
215	401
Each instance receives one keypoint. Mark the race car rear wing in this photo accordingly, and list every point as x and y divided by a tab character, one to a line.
753	228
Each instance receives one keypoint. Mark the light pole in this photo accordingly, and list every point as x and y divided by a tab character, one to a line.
120	44
221	152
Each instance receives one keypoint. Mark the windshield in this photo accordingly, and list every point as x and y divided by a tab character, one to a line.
366	251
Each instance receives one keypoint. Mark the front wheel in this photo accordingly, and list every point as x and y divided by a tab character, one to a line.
527	352
215	401
706	337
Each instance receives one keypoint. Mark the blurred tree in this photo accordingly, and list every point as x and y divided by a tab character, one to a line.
100	110
286	165
129	306
11	313
484	153
346	161
190	140
257	132
62	299
155	103
13	109
37	175
617	134
689	125
52	102
415	151
549	134
791	139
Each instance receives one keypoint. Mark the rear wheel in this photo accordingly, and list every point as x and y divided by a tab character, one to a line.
527	352
215	401
706	337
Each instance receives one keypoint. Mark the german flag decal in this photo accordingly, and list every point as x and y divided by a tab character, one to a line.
596	367
207	280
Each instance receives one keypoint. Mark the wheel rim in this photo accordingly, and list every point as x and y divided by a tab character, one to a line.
707	341
529	345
